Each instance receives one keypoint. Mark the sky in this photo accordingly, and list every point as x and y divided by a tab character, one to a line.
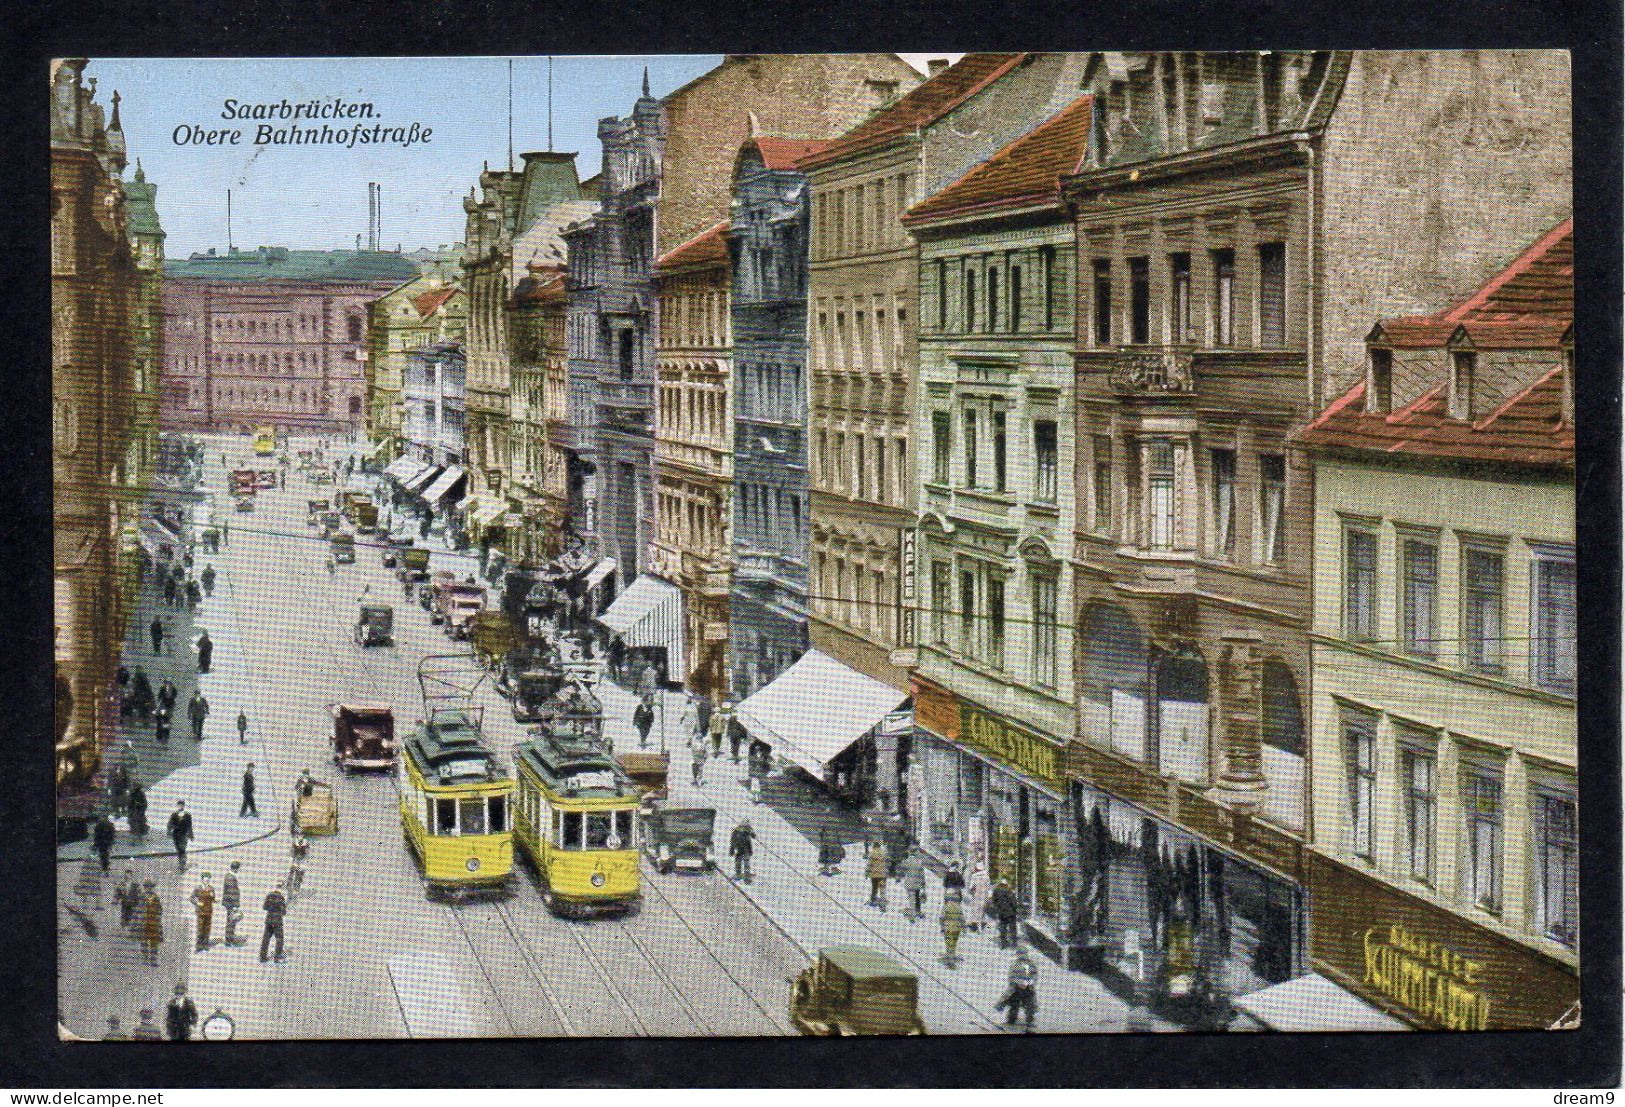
315	196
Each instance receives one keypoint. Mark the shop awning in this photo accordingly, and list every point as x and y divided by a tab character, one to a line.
649	613
403	469
814	710
486	511
1311	1002
423	479
599	571
443	484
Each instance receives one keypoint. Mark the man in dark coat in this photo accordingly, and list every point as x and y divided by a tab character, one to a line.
138	810
194	594
643	718
168	694
160	723
197	709
205	652
181	1015
242	727
169	590
741	844
276	907
141	693
102	839
180	830
208	580
231	900
1004	907
248	807
157	632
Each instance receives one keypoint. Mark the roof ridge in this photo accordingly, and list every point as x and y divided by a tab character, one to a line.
681	246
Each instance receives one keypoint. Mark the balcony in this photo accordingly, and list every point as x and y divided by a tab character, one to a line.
1153	371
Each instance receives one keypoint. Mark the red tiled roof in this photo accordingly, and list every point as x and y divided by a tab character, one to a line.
1528	305
1025	172
433	300
705	248
783	153
541	282
922	105
1526	430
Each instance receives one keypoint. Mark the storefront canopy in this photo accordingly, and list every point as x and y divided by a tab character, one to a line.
1311	1002
650	613
423	479
485	511
444	485
814	710
601	569
403	469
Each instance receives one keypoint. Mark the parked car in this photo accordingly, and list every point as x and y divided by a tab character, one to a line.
853	990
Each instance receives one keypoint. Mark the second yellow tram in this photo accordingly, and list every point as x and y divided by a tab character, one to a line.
455	799
575	815
265	441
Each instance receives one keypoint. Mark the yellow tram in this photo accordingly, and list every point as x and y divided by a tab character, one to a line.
454	797
265	441
576	819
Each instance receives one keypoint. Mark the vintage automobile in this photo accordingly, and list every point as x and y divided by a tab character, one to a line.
364	736
529	690
321	474
375	625
244	482
343	547
315	809
315	509
366	517
463	604
414	564
245	503
492	636
266	478
678	837
853	990
394	545
648	770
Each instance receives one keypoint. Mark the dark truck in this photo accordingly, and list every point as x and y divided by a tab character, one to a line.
852	990
679	837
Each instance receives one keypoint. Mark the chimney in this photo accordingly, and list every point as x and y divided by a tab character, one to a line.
933	66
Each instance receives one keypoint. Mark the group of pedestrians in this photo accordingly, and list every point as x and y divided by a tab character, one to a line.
180	1017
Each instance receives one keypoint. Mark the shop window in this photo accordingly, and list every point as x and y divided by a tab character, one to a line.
1418	801
1360	763
1179	298
1481	814
1283	746
1114	674
1359	584
1046	461
1272	295
1552	636
1555	864
1139	301
1223	466
1272	509
1419	586
1178	746
1483	574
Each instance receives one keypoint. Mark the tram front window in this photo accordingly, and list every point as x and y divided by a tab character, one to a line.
598	826
623	828
498	809
570	834
473	814
445	816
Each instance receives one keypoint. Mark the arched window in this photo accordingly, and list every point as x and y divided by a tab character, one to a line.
1115	680
1284	745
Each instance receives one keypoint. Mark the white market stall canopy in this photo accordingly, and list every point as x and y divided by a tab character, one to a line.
443	484
403	469
814	710
650	613
422	480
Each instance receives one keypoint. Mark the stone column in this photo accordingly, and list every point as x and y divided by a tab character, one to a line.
1241	782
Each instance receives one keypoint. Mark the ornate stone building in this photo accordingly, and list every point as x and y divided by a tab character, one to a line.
537	326
424	310
493	223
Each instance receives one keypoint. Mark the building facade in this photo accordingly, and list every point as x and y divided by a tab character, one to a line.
424	310
992	689
767	242
493	216
435	391
1443	739
694	450
1223	220
536	338
147	336
271	336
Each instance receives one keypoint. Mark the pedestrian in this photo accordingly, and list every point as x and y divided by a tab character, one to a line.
114	1034
242	727
180	830
168	694
138	810
953	925
128	897
146	1030
152	923
298	850
736	736
830	853
141	691
194	594
305	785
688	720
205	652
1005	909
118	788
276	906
248	807
202	900
197	709
231	899
225	531
755	786
976	895
157	632
697	751
1021	997
208	580
953	881
719	727
160	723
740	848
703	710
169	590
877	870
102	839
913	872
644	719
181	1015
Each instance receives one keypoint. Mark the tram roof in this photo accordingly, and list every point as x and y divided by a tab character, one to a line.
556	761
448	738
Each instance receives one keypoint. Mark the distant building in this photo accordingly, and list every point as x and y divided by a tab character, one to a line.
539	354
425	310
1443	738
271	336
445	262
432	469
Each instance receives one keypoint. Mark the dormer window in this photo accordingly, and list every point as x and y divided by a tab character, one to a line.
1463	367
1379	385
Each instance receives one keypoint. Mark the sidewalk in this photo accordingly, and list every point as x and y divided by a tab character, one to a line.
816	911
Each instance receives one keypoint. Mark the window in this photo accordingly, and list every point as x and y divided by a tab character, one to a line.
942	295
1463	366
1416	779
1224	502
1160	493
1481	830
1483	573
1224	297
970	449
860	471
880	469
1272	508
445	816
1103	483
1015	298
626	354
967	612
1103	302
1360	760
1359	585
1379	395
1552	645
995	622
1046	260
1272	295
1139	301
1045	590
1418	598
940	601
1046	461
599	827
1179	298
354	328
1000	460
970	301
1556	875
